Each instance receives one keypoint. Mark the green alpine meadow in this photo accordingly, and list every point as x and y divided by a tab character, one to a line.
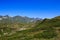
42	29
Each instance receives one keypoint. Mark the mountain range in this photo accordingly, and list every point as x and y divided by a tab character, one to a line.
19	19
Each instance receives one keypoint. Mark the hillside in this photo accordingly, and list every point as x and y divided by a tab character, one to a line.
46	29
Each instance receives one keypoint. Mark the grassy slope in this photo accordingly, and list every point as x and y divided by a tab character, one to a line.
48	29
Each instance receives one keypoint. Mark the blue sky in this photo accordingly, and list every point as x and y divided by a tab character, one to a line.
30	8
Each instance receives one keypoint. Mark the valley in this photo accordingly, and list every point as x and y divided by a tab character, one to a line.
45	29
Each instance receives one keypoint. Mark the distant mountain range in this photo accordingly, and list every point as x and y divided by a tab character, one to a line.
19	19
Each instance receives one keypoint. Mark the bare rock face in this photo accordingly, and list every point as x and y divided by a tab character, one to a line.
0	18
